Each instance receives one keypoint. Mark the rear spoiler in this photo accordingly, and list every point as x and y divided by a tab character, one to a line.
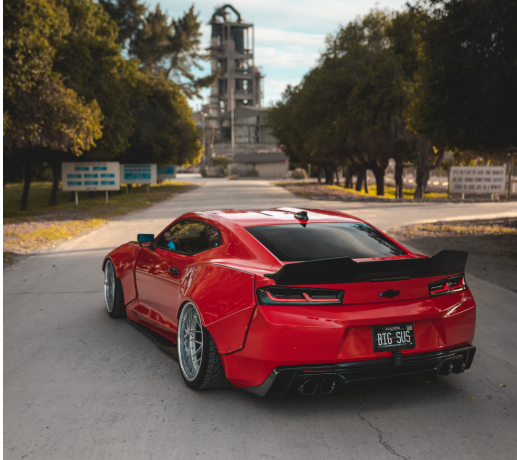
346	270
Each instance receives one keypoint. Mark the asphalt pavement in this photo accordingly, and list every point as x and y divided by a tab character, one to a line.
80	385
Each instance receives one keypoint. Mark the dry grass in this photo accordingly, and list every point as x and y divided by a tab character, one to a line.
314	190
459	229
43	226
490	243
37	234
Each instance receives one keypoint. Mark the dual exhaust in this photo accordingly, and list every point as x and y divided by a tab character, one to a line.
310	386
454	366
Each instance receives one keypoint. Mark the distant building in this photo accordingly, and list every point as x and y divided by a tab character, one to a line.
268	164
239	87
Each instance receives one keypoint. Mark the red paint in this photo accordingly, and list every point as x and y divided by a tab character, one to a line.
124	260
254	339
158	289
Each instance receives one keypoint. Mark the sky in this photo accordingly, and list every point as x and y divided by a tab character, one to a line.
289	35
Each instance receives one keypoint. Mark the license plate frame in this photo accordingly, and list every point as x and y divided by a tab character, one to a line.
389	333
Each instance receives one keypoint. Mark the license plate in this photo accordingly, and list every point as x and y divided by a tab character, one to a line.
393	337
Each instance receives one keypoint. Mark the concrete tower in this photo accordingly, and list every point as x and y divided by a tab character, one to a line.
232	52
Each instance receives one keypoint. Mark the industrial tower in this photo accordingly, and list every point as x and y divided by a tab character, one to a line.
232	49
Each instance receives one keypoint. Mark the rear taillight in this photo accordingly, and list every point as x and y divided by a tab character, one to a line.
446	286
298	296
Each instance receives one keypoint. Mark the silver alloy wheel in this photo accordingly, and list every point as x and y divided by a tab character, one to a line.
109	286
190	341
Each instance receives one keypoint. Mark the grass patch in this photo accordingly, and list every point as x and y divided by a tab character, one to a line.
389	192
46	234
119	204
460	230
43	225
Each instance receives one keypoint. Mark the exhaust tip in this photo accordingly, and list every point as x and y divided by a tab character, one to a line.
308	387
328	385
459	366
447	368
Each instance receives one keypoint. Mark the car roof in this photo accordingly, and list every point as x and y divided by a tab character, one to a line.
276	216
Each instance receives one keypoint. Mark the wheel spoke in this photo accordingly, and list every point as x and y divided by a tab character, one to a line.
190	342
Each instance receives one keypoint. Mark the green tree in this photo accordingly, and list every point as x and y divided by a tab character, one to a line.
466	92
40	113
90	62
129	16
165	131
166	47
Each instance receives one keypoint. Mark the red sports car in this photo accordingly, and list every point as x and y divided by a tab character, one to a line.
273	299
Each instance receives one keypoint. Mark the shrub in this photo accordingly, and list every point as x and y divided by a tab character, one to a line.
299	173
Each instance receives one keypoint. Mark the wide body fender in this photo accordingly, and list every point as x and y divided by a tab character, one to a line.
225	298
124	261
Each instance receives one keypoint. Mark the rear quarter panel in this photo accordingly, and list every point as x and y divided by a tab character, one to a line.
124	261
225	299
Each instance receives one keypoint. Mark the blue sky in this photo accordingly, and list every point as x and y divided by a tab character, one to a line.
289	35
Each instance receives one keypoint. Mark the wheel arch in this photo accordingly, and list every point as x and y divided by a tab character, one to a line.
225	300
124	260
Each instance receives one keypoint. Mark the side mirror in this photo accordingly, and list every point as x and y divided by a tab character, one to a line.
145	238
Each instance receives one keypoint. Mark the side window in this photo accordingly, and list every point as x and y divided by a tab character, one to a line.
189	237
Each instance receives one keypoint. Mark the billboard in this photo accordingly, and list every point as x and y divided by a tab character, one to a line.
138	174
91	176
166	172
478	179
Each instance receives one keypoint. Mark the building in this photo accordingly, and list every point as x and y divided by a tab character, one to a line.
268	164
233	121
232	52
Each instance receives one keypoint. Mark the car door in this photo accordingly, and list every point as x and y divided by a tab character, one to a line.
160	268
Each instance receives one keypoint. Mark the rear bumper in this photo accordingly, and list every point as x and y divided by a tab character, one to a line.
455	360
281	337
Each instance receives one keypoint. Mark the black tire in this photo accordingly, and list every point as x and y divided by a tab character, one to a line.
114	306
211	373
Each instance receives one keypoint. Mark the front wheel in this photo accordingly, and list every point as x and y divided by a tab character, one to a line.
200	364
113	293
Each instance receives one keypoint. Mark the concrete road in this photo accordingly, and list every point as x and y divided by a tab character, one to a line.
79	385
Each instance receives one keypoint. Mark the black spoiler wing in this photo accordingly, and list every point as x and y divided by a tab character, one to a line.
346	270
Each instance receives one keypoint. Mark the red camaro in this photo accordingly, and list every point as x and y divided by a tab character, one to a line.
274	299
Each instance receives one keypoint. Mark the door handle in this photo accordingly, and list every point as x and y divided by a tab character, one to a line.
174	271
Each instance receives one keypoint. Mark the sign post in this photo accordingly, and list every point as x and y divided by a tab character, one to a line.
90	177
138	174
166	172
478	180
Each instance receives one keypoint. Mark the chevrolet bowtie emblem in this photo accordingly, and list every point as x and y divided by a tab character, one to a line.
389	294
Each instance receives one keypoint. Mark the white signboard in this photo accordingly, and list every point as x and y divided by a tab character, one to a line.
138	174
166	172
79	177
478	179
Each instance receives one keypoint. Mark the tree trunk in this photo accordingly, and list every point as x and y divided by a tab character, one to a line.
319	174
329	175
349	179
26	185
422	175
360	179
54	166
337	177
399	183
378	172
419	191
365	181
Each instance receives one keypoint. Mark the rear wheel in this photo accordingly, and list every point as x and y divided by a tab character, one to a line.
200	364
113	293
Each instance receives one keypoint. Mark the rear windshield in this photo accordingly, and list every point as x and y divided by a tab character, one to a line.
294	242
